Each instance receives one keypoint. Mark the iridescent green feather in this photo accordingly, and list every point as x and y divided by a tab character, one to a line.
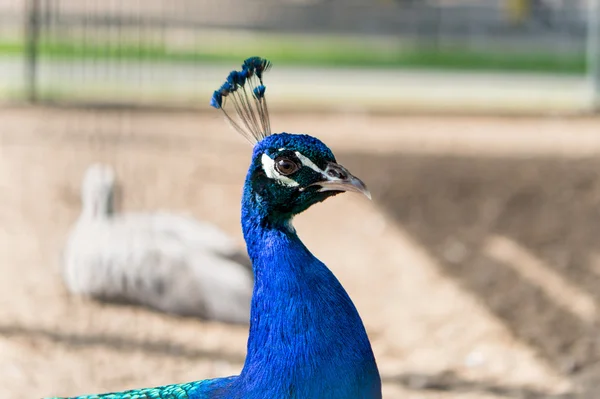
190	390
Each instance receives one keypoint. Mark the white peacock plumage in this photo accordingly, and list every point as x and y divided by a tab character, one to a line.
167	261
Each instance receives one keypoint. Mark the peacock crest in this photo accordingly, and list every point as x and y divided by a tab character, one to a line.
246	92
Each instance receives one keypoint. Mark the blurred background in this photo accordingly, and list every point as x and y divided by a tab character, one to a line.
476	266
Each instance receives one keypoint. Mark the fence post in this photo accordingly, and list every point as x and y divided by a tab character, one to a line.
593	54
32	35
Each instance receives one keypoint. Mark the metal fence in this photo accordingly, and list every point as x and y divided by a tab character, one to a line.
101	37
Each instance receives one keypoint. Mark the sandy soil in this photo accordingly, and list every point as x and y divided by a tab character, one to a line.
475	266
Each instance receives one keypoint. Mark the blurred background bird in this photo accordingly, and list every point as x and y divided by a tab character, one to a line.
169	262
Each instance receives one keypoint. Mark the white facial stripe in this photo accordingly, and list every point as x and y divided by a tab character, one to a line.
268	165
309	164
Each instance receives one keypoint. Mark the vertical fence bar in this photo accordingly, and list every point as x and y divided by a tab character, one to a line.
32	36
593	54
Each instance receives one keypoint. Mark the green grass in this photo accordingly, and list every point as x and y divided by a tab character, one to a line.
322	53
11	48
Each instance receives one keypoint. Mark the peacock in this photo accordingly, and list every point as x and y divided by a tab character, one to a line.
166	261
306	338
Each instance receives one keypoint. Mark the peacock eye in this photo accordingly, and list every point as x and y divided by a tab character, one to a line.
285	166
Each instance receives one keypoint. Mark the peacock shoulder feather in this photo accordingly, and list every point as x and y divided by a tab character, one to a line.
203	389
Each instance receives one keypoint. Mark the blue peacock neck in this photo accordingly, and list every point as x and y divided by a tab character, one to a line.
306	337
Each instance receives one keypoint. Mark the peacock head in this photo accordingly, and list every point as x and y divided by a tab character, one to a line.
289	172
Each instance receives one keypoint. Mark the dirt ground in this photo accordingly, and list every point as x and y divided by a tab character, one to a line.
475	267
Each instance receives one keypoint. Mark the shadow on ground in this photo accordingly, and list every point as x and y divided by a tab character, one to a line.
449	382
550	207
115	342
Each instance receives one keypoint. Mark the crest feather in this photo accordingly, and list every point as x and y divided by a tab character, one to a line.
251	111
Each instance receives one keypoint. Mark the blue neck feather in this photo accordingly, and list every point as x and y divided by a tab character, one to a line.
306	337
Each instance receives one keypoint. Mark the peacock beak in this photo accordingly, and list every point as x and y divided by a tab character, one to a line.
337	178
